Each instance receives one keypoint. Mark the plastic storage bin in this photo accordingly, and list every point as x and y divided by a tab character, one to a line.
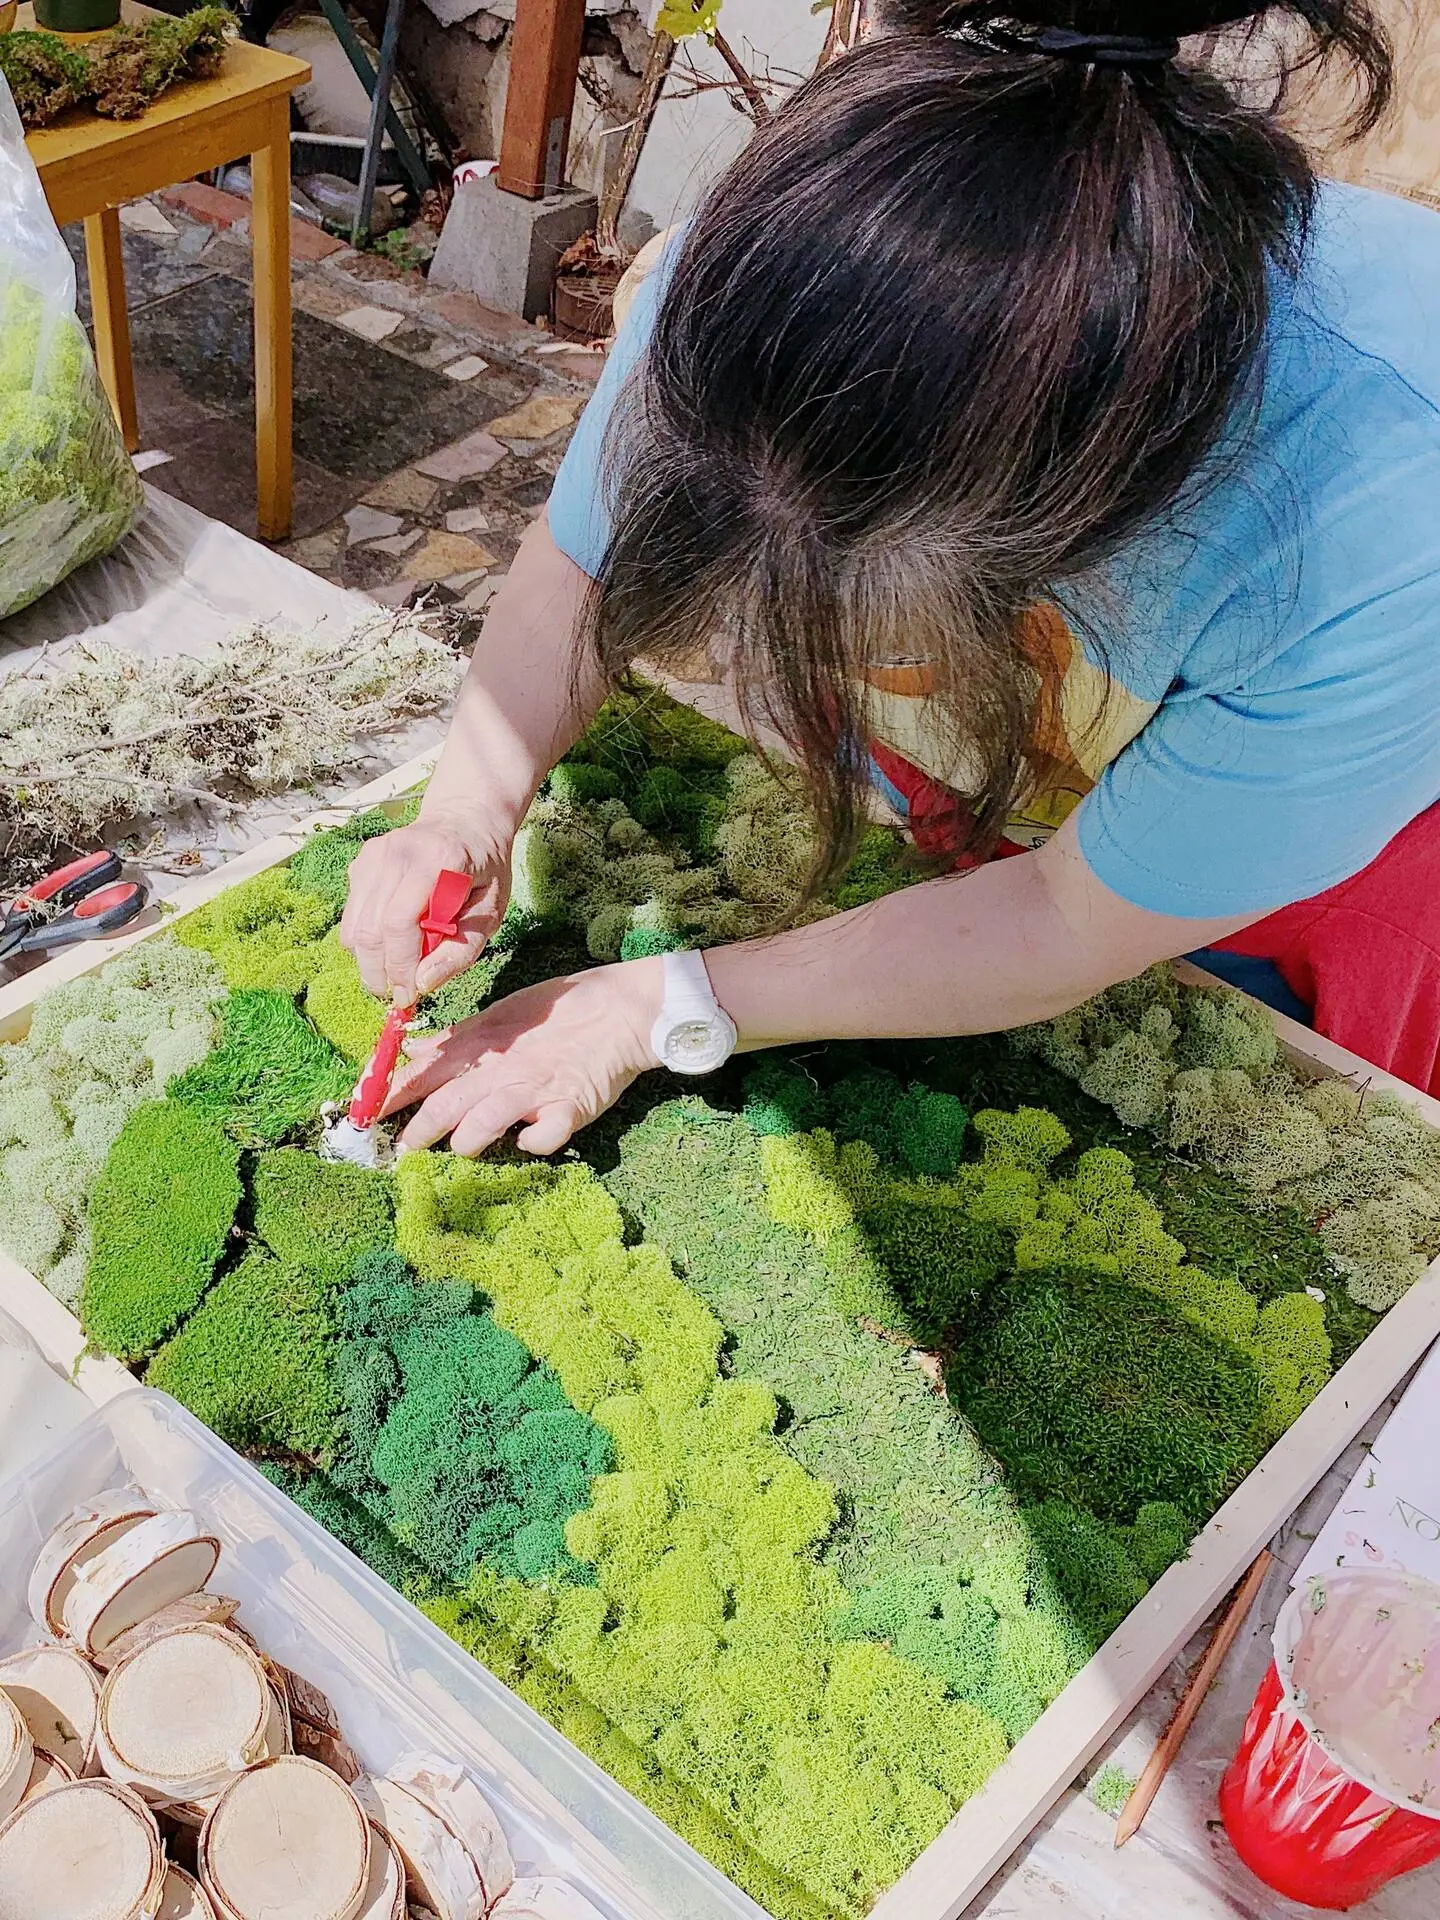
395	1681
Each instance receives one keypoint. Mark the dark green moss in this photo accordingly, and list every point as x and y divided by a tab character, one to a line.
321	1217
1093	1392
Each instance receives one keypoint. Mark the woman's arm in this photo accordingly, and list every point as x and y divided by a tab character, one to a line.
1016	942
520	709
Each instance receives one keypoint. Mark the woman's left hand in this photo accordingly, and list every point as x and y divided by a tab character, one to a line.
549	1060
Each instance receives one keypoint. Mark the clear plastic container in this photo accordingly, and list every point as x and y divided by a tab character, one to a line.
395	1681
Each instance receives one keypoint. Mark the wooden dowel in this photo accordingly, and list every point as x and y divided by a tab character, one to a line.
1168	1747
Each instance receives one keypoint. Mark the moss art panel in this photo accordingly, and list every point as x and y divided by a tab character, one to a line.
790	1447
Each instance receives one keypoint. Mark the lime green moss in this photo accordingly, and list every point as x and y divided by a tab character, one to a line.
1092	1390
255	1362
918	1492
466	1449
160	1218
270	1075
263	933
1111	1789
707	1630
337	1002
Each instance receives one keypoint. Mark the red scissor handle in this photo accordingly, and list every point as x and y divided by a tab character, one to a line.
441	922
96	915
68	884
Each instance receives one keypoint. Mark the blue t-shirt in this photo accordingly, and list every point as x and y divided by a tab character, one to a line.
1267	662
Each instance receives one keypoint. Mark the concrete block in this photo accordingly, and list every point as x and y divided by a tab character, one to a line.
505	250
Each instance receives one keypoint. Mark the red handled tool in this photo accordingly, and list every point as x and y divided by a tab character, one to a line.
83	901
351	1137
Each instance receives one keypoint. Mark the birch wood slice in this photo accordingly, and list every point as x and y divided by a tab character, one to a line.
449	1790
287	1841
59	1696
544	1898
385	1891
440	1872
156	1563
195	1610
86	1531
184	1898
46	1774
17	1756
89	1851
181	1716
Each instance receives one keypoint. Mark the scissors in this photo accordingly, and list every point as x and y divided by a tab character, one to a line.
83	901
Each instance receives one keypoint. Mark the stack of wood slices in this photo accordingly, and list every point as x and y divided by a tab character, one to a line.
156	1764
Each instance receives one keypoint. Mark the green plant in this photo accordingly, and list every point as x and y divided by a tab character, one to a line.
270	1075
132	66
44	74
67	488
160	1217
255	1362
402	250
1092	1390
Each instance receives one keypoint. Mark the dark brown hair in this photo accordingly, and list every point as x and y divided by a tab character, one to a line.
962	319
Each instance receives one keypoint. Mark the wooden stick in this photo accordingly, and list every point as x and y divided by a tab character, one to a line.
1142	1799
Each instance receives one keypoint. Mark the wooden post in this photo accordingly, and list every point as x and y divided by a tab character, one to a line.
544	72
270	229
106	262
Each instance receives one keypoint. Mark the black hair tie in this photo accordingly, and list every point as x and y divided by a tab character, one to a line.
1065	43
1104	49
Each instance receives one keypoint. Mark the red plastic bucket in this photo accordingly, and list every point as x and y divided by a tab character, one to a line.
1304	1815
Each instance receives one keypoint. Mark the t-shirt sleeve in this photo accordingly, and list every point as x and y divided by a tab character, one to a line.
1247	800
579	516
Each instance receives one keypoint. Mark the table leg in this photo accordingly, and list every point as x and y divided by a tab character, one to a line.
106	261
270	207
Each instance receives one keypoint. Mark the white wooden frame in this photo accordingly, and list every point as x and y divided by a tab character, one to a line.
989	1828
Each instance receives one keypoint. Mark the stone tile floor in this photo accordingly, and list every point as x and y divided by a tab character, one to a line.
428	428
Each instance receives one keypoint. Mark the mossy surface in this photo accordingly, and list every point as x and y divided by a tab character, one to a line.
793	1468
160	1219
271	1073
256	1360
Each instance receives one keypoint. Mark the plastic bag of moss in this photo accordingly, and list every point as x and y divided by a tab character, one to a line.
68	490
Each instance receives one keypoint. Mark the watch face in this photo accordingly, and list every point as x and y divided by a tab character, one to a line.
697	1046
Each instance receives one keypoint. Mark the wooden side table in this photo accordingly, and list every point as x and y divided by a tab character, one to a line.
91	167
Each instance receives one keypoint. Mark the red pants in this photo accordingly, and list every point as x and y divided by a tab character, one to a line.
1365	955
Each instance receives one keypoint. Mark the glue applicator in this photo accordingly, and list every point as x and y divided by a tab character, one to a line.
352	1137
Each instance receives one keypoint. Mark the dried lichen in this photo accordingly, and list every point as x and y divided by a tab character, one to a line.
105	735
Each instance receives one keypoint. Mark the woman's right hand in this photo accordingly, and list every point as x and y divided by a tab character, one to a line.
391	880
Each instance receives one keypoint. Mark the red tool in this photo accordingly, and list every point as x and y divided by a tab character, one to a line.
82	901
351	1137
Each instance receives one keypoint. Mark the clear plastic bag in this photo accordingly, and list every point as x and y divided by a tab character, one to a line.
68	490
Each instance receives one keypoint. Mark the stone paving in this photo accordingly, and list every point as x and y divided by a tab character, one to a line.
428	428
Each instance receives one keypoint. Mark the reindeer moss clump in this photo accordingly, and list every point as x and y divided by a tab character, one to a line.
1203	1068
98	1048
270	1075
160	1218
469	1451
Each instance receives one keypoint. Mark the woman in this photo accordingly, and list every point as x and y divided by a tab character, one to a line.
1017	405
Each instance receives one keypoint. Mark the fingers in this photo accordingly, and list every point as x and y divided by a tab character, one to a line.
381	926
482	915
472	1118
552	1129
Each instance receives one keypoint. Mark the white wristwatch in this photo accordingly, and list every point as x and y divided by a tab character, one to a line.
693	1034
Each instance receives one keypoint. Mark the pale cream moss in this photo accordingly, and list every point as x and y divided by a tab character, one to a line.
1203	1068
